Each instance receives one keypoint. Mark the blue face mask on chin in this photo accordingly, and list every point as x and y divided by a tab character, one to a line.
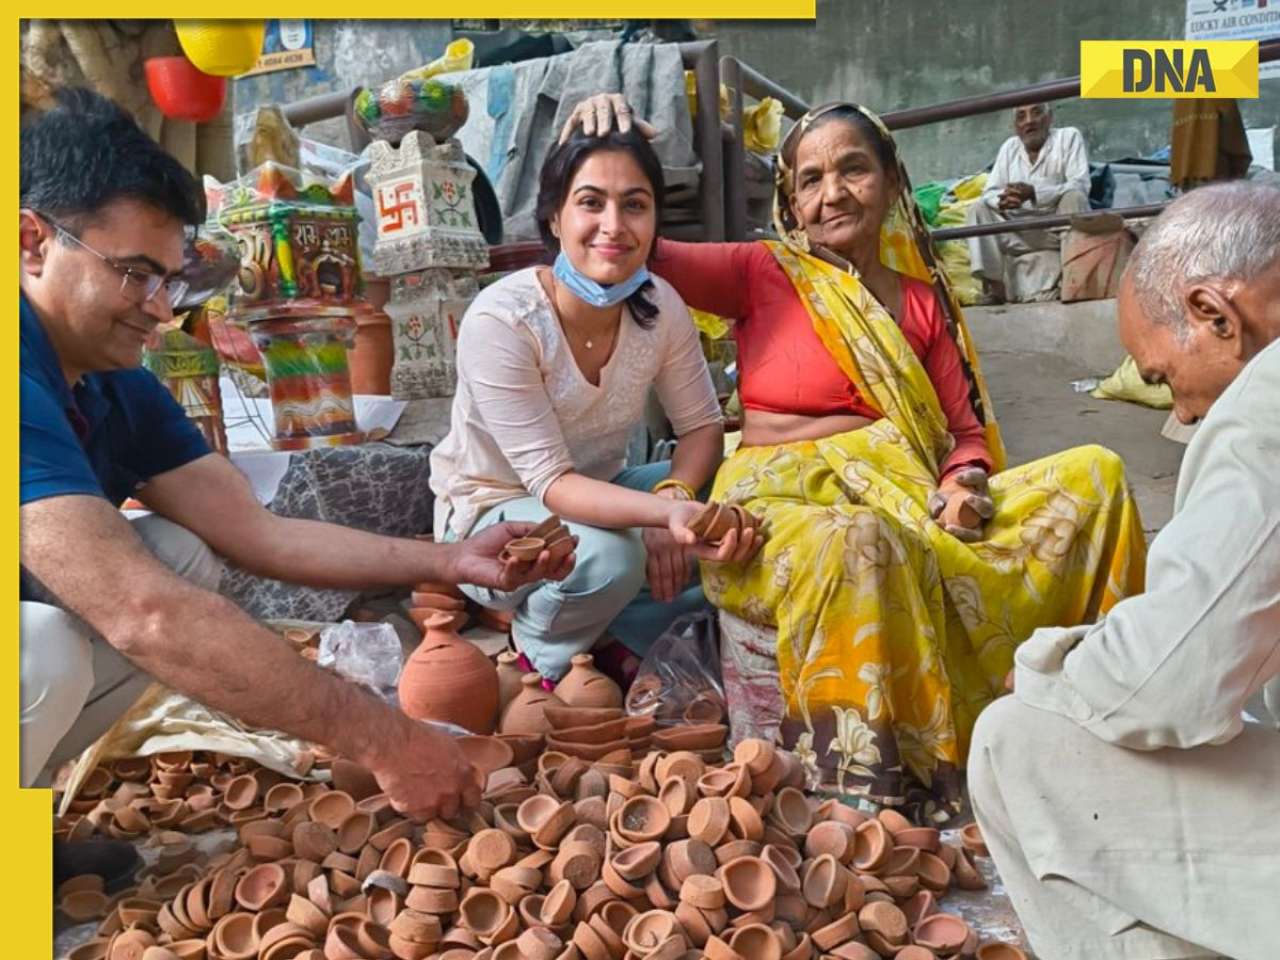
596	294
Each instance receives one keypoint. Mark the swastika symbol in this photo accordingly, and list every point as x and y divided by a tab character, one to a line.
397	208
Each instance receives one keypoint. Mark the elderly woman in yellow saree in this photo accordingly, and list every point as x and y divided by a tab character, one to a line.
902	563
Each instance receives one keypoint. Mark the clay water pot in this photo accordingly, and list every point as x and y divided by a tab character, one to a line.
942	933
453	620
448	679
509	674
1000	951
526	714
585	686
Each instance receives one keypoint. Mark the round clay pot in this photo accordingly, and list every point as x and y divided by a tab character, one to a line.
509	674
942	933
437	601
1000	951
486	754
642	819
872	846
561	716
233	936
266	885
526	714
448	679
971	837
525	549
332	808
585	686
791	812
749	883
371	356
695	736
241	793
483	911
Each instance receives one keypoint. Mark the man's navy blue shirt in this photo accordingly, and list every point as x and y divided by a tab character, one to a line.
106	437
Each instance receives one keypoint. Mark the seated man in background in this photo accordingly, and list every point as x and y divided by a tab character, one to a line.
108	605
1042	170
1130	810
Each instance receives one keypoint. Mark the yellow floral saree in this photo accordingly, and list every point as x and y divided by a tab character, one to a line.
892	635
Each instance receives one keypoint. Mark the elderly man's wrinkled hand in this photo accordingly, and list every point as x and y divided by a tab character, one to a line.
424	774
600	114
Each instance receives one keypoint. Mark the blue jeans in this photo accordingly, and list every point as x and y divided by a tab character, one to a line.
608	590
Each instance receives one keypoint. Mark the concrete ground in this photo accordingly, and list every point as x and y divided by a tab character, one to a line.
1030	355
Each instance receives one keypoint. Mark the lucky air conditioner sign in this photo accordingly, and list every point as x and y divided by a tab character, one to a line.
1236	20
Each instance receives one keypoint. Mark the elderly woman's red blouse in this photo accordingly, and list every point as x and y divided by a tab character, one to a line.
783	366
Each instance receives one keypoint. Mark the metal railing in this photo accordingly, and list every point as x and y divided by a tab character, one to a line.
741	78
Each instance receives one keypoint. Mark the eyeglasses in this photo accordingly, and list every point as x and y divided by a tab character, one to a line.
136	286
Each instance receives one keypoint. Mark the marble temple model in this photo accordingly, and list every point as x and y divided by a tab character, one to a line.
297	293
429	244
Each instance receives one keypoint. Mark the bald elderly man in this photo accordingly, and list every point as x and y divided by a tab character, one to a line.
1130	810
1039	171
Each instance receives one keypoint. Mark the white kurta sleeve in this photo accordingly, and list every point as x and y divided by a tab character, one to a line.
998	178
1174	666
1074	164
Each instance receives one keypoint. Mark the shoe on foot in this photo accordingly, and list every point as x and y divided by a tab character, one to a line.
116	861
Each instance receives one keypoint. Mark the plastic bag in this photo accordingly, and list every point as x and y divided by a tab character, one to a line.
762	126
367	653
679	679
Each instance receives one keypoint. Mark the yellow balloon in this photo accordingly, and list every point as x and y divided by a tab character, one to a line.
221	48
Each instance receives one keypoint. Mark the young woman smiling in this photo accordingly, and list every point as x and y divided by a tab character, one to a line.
554	369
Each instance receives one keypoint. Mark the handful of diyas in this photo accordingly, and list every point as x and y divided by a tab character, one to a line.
550	535
717	519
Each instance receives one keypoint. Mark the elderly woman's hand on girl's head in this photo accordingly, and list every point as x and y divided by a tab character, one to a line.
600	114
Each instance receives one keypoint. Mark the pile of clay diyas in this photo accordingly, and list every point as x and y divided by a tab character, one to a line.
717	519
551	535
669	858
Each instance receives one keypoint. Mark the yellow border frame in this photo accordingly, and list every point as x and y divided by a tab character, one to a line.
26	887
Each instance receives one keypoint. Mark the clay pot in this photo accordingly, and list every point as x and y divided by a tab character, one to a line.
486	754
942	933
593	733
971	837
266	885
233	936
526	713
371	357
525	549
697	736
642	818
423	617
448	679
872	846
509	674
749	883
958	513
437	601
585	686
561	716
1000	951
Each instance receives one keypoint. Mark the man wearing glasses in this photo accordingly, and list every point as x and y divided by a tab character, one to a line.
108	604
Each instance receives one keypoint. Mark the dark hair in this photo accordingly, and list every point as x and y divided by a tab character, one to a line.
882	145
562	165
88	151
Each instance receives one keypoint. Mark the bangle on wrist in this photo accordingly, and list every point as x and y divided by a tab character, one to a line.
671	483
